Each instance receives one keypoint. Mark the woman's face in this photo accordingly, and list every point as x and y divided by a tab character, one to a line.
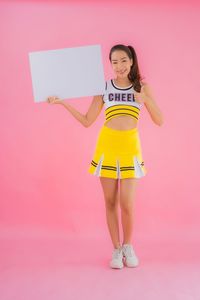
121	63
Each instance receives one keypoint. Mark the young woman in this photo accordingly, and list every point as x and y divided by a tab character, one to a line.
118	155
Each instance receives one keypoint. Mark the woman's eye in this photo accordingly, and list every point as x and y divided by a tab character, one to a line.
122	61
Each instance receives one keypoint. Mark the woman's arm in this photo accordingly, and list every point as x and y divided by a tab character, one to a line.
94	110
151	106
92	113
75	113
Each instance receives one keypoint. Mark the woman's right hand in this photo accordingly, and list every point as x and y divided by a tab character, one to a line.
54	100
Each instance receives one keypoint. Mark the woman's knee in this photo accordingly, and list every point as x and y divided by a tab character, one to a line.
110	190
126	206
127	194
111	202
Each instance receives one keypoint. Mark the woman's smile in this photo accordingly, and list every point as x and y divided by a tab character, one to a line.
122	72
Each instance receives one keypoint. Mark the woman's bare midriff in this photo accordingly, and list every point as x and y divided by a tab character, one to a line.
121	123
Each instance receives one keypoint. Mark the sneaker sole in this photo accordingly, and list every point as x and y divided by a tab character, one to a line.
116	267
130	266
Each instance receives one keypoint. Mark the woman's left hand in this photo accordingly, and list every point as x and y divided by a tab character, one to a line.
140	97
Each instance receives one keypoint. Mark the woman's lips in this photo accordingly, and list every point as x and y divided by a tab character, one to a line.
122	72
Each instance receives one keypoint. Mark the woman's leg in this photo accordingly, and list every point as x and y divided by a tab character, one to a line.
127	195
110	190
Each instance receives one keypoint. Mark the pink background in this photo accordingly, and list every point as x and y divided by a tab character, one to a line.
50	206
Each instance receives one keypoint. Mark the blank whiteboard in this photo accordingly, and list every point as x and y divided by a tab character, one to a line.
67	73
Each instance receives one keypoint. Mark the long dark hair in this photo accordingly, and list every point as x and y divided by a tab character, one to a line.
134	74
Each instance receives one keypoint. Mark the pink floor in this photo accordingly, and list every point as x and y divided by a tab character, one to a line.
63	268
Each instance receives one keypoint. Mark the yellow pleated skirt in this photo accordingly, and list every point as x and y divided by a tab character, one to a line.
117	154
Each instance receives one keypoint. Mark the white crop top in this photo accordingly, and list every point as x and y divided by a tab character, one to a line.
120	101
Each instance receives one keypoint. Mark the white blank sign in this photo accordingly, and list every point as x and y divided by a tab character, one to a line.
67	73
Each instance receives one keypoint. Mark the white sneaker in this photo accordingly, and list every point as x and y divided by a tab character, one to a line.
117	259
130	258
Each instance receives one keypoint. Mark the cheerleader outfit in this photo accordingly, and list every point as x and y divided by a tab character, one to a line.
118	153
